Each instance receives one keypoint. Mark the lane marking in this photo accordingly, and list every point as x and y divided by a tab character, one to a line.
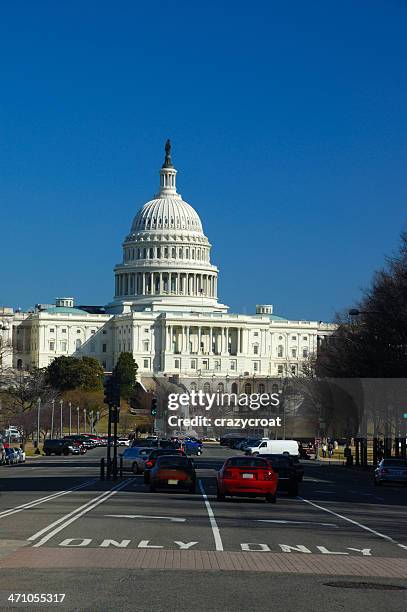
296	522
212	520
74	515
349	520
146	516
42	500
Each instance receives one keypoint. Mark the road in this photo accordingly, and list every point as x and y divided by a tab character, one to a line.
109	545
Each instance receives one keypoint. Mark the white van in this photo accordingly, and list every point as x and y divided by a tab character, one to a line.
275	447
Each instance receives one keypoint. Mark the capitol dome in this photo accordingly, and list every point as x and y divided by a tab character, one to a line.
166	256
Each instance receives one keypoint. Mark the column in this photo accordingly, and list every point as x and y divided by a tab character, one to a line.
177	284
151	283
227	339
188	345
210	341
238	340
143	283
161	284
199	340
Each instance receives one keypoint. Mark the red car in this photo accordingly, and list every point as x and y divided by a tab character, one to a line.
247	476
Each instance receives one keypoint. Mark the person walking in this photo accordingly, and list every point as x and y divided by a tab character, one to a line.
324	449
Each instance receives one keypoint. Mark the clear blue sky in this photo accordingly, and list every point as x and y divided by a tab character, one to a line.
288	122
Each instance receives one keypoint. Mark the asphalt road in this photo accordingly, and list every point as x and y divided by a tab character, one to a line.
114	545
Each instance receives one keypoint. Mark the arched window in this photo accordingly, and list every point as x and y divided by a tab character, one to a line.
174	254
234	388
187	253
151	253
19	364
193	386
207	388
274	389
248	389
180	253
221	387
280	351
261	388
78	344
144	253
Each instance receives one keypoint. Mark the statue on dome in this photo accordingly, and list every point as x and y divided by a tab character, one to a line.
167	161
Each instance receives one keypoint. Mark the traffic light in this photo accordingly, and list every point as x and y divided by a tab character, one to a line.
153	410
112	392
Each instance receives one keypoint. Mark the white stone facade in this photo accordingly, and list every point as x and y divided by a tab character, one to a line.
165	310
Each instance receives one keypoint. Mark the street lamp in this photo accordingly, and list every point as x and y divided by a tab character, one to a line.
38	421
52	418
77	411
61	402
84	420
70	418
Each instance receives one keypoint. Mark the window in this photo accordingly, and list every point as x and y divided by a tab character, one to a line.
51	331
305	352
255	349
205	364
207	388
193	386
146	330
256	366
146	364
63	330
293	352
52	345
104	365
104	348
274	388
280	369
233	364
261	388
280	337
217	365
248	389
221	387
280	351
234	387
193	365
146	346
62	346
92	331
293	369
293	337
78	344
305	337
78	331
177	364
255	333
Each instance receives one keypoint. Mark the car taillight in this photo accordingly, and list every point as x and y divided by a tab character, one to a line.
227	474
149	464
268	475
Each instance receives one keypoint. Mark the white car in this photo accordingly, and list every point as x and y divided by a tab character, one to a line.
123	442
134	459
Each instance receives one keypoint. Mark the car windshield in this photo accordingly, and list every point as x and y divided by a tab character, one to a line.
246	462
394	462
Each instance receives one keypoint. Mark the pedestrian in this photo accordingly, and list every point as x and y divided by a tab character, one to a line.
330	450
324	449
347	453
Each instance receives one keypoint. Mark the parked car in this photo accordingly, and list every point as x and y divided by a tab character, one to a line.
63	446
122	441
134	459
173	472
11	456
145	442
87	442
391	470
289	447
192	447
227	438
247	476
287	474
153	456
2	453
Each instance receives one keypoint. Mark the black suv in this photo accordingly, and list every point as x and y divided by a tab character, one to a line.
287	474
57	447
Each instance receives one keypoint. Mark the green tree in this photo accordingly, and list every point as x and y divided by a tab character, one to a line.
65	373
125	372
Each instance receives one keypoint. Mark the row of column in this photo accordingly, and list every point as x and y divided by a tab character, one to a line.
204	340
165	283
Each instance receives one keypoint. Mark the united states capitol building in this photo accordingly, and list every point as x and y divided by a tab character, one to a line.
165	310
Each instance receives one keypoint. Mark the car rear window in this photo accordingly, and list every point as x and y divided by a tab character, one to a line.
279	460
246	462
172	461
164	451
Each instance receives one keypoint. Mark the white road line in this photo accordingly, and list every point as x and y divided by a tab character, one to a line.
215	528
75	514
42	500
146	516
345	518
296	522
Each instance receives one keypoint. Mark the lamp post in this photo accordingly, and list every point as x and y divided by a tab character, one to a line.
52	417
38	421
61	403
70	418
84	420
77	412
91	421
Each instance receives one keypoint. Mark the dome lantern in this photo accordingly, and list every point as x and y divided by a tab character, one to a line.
167	174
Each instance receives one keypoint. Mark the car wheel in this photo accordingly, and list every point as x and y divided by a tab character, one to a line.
134	468
255	454
270	498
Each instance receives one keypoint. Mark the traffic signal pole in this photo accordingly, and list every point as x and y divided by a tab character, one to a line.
112	399
109	444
